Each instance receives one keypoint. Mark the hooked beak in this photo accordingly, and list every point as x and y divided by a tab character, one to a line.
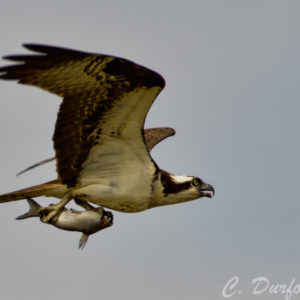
206	190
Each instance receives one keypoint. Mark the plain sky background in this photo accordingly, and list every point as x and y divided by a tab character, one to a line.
232	94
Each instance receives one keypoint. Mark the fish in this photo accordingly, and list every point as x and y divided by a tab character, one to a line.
88	222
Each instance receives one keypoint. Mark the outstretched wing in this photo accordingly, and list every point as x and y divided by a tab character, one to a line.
105	99
152	136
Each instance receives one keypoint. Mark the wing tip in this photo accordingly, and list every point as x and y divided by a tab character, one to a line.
171	130
38	47
54	50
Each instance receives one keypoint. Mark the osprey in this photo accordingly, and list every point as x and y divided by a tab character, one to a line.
99	139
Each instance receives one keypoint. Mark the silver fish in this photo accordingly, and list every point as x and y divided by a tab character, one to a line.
87	222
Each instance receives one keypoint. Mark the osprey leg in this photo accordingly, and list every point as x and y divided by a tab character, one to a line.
84	204
87	206
49	213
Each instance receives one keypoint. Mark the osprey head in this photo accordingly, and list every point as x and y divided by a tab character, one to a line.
178	188
204	189
191	187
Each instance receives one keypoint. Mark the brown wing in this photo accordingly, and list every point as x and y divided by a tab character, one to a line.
40	163
103	95
152	136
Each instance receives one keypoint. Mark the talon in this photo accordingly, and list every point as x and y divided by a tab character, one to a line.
50	213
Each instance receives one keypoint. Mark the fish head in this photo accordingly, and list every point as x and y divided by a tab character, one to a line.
107	219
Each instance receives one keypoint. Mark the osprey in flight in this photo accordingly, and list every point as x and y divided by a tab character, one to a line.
102	150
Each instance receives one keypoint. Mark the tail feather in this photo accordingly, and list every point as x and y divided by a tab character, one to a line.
51	189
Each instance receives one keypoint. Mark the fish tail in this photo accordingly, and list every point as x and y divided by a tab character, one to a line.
34	209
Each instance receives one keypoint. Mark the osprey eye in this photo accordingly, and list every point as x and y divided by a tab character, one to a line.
196	181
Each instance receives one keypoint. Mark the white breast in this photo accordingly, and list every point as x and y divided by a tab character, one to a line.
116	177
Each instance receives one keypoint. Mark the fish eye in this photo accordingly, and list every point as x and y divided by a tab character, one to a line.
196	181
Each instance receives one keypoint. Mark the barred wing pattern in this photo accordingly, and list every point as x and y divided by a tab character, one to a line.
103	97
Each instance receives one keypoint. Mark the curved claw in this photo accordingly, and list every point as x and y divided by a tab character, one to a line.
50	214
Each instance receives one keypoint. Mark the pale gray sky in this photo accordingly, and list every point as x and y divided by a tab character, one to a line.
232	94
